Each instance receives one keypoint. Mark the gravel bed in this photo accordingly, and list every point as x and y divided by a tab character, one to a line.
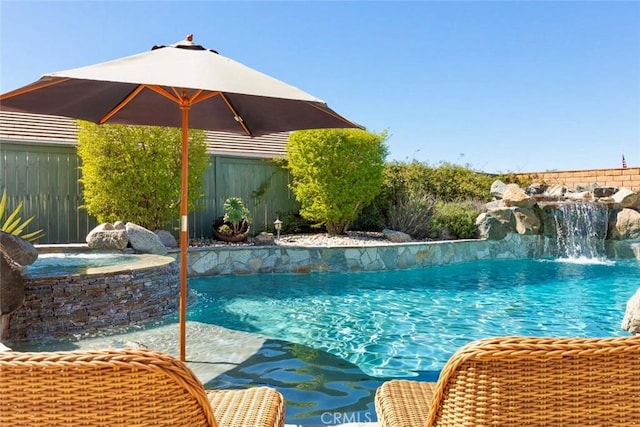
352	238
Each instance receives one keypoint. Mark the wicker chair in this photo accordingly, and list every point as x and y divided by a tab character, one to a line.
523	381
122	388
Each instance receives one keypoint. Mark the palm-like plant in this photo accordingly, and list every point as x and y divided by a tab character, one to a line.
235	212
14	224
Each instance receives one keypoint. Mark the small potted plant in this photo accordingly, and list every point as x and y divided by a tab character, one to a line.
234	225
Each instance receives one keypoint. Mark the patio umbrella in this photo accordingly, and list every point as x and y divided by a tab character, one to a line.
180	85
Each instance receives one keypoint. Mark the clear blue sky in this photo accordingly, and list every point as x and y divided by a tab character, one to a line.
501	86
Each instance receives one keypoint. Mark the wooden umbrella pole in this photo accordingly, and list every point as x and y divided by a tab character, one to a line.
184	106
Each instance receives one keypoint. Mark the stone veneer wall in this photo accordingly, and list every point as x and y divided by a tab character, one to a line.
393	256
87	304
619	177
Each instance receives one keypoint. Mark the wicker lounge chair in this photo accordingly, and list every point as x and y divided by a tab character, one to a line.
523	381
122	388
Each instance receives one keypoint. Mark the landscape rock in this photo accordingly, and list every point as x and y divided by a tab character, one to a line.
11	287
144	241
604	191
527	222
396	236
106	226
167	239
624	224
627	198
495	224
108	240
515	196
498	188
578	196
15	254
556	191
535	189
17	250
264	239
494	204
631	320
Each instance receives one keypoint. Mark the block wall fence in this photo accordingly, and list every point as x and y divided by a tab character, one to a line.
620	177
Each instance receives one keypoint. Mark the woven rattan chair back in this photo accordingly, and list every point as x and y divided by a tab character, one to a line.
527	381
541	381
102	388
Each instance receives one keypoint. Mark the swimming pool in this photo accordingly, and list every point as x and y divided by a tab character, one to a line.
326	341
66	264
408	323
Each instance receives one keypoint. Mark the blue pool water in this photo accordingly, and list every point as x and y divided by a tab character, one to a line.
408	323
66	264
334	338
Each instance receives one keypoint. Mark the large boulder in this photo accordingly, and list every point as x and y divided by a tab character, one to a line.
536	189
11	287
498	188
631	320
556	191
627	198
624	224
106	226
15	254
516	196
108	236
600	192
17	249
109	240
144	241
527	222
167	239
495	224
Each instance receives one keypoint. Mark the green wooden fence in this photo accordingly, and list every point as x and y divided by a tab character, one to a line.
45	178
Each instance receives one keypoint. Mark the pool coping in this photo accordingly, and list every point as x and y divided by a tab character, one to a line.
382	256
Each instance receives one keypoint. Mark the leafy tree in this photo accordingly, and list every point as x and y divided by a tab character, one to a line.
132	173
336	172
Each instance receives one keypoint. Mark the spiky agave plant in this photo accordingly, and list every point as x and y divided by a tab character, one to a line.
14	224
235	212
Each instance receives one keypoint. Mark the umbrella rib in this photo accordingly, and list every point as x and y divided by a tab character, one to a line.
121	105
235	114
334	115
199	97
161	91
24	90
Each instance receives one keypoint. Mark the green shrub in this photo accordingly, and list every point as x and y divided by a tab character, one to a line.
371	218
416	186
294	223
455	220
335	173
133	173
412	214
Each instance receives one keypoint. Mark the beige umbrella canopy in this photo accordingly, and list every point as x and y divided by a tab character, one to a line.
181	85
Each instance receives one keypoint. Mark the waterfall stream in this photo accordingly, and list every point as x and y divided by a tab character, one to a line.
580	230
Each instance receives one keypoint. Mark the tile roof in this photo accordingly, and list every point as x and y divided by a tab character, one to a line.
25	127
